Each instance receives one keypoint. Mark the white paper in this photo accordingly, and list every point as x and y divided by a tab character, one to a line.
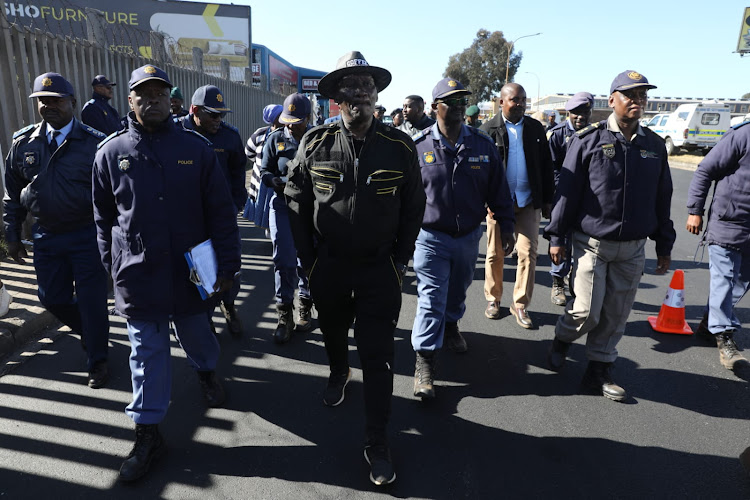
204	260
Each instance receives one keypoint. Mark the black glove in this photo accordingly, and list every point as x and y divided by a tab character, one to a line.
17	251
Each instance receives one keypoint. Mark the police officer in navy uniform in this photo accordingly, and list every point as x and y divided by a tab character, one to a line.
158	191
206	117
615	190
462	175
97	112
48	174
579	109
356	202
279	149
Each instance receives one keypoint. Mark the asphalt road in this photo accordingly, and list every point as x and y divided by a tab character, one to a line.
502	426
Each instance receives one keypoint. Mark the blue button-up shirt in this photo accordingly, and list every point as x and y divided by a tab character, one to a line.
518	176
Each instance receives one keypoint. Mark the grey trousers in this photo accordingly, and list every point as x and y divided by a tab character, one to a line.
606	275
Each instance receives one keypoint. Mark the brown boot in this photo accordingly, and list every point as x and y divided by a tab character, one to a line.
729	355
598	378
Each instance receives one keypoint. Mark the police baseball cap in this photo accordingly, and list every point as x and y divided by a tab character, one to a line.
578	100
52	85
271	112
352	63
296	108
146	73
448	87
101	80
176	93
629	80
380	107
472	110
211	99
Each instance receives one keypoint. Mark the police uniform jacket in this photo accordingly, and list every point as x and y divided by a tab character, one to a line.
54	188
156	195
727	164
460	185
355	206
278	150
536	151
612	189
558	138
227	144
99	114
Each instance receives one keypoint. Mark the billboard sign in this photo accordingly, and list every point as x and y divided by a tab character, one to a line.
743	44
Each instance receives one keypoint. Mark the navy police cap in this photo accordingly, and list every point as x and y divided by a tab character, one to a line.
448	87
101	80
578	100
52	85
295	109
629	80
211	99
146	73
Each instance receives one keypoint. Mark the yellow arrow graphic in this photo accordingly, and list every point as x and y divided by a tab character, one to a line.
208	15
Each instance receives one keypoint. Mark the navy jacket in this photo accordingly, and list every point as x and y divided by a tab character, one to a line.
460	185
536	150
155	197
279	148
559	137
97	113
728	164
227	144
54	188
612	189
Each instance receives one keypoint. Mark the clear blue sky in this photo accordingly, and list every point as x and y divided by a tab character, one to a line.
685	47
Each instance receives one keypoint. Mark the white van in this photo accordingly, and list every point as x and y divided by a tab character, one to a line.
693	126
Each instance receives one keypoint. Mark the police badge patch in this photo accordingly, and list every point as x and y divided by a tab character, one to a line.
123	163
429	157
30	158
280	146
608	150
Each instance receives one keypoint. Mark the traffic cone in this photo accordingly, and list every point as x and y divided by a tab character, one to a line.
672	314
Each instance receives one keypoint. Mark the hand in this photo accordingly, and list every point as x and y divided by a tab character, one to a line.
547	210
662	264
557	255
223	284
278	184
17	251
694	224
509	241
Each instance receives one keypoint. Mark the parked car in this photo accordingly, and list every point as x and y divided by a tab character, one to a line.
692	126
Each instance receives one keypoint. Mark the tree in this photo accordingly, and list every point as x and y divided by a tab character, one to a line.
744	96
481	67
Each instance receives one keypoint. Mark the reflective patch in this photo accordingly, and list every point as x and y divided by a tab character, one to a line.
675	298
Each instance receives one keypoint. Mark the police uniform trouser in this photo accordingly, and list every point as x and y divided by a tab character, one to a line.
606	275
288	272
370	292
68	261
730	280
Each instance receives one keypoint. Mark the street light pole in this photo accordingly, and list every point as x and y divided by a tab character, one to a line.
537	88
510	50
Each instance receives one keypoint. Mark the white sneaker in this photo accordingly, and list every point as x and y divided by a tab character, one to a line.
5	300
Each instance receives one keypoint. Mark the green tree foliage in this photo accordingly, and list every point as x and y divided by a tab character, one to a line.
481	67
744	96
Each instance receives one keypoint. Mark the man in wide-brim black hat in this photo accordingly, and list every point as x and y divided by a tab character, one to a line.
356	202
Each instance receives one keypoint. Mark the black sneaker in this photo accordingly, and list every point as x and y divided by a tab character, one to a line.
213	392
381	466
334	393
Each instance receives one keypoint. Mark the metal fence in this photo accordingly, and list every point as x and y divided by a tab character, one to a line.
26	53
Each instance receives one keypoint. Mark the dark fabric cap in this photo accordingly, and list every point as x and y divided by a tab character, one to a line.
448	87
176	94
472	110
101	80
296	107
629	80
52	85
271	112
211	98
146	73
352	63
579	99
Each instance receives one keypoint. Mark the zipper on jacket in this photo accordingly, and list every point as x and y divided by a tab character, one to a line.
393	178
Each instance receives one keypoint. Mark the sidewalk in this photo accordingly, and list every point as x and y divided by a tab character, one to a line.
26	317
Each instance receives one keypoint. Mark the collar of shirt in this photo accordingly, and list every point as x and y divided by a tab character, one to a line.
508	122
439	137
613	127
63	132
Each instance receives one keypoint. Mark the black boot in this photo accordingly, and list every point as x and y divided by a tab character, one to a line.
304	322
285	325
728	352
558	291
213	392
599	379
149	445
424	374
233	321
453	339
557	353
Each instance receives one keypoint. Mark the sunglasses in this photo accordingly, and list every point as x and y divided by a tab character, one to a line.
456	101
214	116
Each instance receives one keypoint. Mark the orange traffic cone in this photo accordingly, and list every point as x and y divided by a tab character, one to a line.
672	314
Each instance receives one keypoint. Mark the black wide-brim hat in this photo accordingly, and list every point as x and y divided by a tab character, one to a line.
352	63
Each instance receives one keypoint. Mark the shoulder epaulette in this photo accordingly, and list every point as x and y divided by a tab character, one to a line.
94	132
197	134
110	137
420	134
740	124
177	119
230	127
587	130
90	101
19	133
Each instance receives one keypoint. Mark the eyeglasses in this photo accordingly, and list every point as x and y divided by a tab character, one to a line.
456	101
634	94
